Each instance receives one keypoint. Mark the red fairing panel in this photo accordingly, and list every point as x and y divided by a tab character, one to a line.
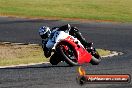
82	55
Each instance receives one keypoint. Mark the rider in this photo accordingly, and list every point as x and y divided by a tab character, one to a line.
45	33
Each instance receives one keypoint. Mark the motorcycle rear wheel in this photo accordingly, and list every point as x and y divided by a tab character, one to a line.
96	59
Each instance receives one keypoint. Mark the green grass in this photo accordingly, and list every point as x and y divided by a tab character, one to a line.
111	10
25	54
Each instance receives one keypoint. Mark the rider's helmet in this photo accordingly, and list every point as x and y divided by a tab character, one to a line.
44	32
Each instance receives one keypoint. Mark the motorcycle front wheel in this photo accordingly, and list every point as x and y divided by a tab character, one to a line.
68	53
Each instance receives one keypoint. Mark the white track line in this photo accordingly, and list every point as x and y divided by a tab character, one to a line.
24	65
114	53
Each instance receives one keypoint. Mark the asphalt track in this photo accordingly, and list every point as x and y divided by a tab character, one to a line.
112	36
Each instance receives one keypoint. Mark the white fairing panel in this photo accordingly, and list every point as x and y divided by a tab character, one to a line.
58	35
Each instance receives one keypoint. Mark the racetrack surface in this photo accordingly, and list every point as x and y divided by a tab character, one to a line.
112	36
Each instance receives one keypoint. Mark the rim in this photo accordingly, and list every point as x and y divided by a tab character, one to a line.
69	53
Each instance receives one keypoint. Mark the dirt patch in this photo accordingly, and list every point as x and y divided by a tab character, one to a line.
59	18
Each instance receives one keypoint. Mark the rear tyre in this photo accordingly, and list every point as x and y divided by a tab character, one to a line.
69	54
96	59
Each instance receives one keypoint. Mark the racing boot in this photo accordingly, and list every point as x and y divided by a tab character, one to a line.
47	52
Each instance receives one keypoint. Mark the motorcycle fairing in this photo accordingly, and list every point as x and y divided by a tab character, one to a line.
82	55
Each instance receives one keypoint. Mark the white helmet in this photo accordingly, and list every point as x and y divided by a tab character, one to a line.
44	32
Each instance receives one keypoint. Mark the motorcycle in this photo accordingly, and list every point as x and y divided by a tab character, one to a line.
69	49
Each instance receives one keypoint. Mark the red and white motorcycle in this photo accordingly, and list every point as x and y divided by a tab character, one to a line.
69	49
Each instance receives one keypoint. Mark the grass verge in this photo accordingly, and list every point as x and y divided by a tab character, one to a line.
20	54
25	54
106	10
